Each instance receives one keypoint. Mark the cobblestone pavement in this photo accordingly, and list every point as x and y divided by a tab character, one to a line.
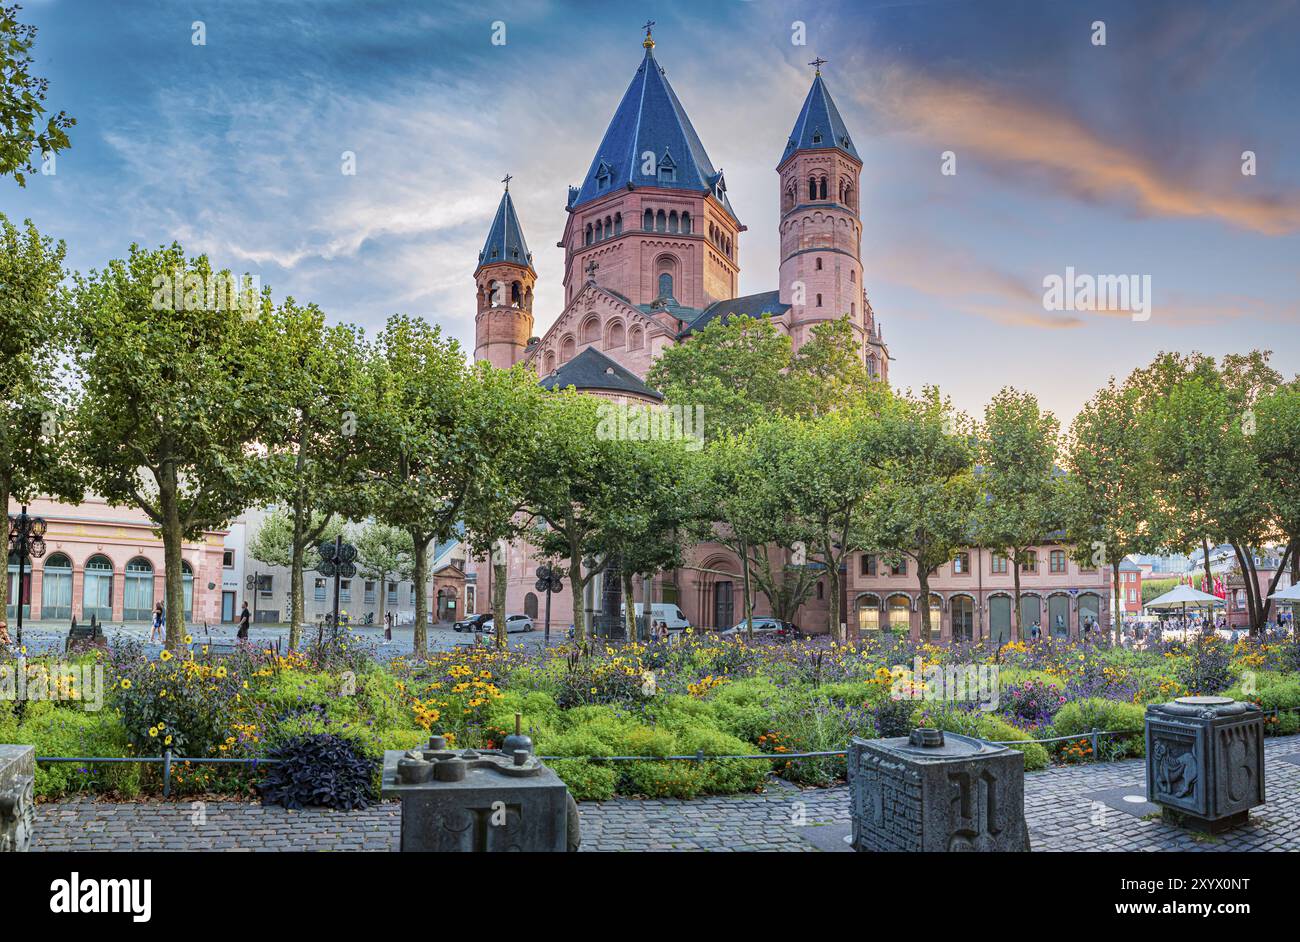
1083	807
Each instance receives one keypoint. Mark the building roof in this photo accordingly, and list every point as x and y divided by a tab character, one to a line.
819	124
1129	566
650	118
505	241
591	369
751	305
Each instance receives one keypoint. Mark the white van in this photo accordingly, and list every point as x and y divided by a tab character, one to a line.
666	612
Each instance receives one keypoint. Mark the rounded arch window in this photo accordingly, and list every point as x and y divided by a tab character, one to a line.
567	347
614	337
591	330
635	338
137	595
56	587
868	613
900	614
97	589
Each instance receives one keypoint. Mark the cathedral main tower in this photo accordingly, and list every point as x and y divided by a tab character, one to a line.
504	279
821	231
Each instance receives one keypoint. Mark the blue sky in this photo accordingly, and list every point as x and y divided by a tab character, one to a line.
1122	159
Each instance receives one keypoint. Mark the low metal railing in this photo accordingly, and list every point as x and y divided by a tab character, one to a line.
167	760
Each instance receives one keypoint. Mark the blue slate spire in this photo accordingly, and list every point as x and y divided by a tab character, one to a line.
650	119
819	124
505	241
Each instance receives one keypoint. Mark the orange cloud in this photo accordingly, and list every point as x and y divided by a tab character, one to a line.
968	119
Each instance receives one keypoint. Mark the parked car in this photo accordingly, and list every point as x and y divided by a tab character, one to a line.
665	612
514	624
473	623
765	626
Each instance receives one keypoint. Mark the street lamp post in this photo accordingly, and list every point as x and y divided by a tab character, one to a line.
337	559
548	581
27	539
253	585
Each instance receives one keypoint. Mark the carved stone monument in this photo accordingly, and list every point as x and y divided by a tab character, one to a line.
1205	761
486	801
936	791
17	797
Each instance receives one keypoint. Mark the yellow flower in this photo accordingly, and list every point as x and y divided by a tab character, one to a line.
126	683
189	639
165	655
153	732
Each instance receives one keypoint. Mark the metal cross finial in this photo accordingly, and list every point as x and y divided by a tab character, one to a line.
649	24
592	266
648	42
506	180
817	64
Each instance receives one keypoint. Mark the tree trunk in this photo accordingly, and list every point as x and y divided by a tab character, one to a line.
833	587
173	584
382	597
647	600
629	607
1209	576
500	573
744	587
923	578
575	589
5	491
1015	577
419	575
1118	606
296	601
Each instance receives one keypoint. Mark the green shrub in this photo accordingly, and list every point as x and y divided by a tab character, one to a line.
663	779
56	731
589	781
1083	716
991	728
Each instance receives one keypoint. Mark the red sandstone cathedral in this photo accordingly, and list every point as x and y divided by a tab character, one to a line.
652	253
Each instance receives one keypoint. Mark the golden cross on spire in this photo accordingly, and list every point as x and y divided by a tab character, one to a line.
817	64
649	42
506	180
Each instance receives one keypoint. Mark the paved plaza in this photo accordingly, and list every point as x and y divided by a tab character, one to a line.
1099	807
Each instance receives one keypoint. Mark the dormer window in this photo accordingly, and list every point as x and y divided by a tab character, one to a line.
817	136
667	168
604	174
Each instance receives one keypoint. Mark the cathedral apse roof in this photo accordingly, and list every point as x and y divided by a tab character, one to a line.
819	124
591	369
505	241
651	119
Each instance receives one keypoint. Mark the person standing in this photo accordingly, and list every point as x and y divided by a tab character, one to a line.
244	618
157	633
388	625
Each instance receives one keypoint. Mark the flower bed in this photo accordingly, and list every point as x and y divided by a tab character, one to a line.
703	696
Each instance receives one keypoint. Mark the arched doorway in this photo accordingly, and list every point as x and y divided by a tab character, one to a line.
1089	613
530	605
961	610
724	605
97	589
1058	615
868	615
900	614
187	589
56	587
137	593
1031	613
1000	619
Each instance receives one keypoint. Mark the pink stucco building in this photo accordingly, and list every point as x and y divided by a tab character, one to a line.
108	561
651	248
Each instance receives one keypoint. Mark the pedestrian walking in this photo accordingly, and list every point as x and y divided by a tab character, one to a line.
244	618
157	633
388	626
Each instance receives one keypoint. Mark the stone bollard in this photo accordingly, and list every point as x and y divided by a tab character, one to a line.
936	791
1205	761
468	800
17	797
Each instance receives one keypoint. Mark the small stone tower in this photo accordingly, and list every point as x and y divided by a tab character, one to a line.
504	279
821	231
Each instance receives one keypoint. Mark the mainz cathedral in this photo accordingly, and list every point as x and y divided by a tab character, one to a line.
651	254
